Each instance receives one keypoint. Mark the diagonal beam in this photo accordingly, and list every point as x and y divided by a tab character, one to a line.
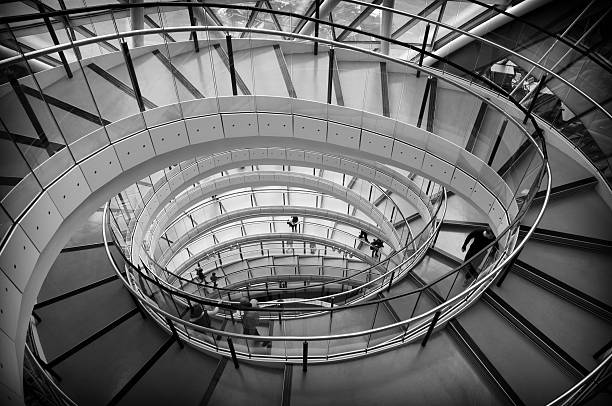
226	61
80	29
413	21
252	17
27	107
274	17
178	75
282	63
307	27
119	84
365	13
29	141
18	47
86	115
472	23
384	86
476	127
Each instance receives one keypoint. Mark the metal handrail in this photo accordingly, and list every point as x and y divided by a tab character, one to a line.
472	289
195	207
227	196
431	222
64	13
414	238
41	371
414	255
566	397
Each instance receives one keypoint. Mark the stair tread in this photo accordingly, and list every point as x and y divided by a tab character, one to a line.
73	270
438	374
586	270
95	374
528	370
180	376
593	218
576	331
68	322
251	384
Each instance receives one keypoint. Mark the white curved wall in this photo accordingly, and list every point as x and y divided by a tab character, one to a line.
215	125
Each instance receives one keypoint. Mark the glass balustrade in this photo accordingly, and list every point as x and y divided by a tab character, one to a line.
138	102
121	83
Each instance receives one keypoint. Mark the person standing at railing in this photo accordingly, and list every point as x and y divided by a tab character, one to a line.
250	319
363	235
200	273
293	224
375	246
200	315
481	238
213	279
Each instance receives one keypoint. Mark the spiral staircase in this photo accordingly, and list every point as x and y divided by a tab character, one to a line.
148	161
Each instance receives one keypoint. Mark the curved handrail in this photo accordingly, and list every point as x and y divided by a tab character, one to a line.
64	13
224	196
566	397
481	282
543	169
232	304
479	285
414	238
347	293
257	191
29	354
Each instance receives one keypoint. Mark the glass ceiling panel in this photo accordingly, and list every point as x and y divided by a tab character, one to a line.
233	17
167	18
346	13
288	23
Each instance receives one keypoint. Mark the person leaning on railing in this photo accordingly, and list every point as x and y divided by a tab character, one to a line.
200	315
250	319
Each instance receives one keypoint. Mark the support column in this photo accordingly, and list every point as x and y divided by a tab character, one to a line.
137	22
386	23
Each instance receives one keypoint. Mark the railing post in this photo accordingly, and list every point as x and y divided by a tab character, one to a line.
431	328
316	32
230	55
390	281
230	343
55	41
132	73
418	75
174	332
194	34
535	98
507	269
305	356
330	75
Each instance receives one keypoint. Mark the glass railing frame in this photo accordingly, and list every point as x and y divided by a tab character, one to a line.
547	171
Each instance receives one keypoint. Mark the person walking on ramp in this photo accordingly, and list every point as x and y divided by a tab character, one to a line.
481	238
